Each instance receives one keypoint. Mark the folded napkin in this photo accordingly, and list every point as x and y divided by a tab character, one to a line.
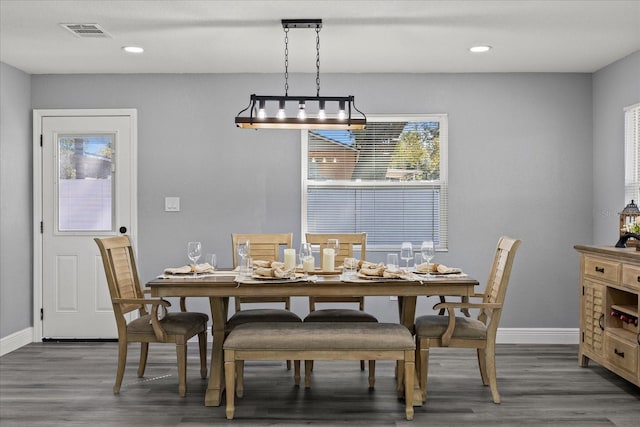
443	269
426	267
272	269
189	269
370	269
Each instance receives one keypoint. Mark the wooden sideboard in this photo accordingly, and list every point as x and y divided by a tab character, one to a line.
610	308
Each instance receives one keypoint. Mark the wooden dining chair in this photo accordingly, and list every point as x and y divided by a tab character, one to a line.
265	247
348	242
461	331
126	296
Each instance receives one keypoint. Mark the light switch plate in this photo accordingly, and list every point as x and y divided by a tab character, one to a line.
172	204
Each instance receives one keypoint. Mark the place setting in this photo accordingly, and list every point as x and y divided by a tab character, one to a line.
193	270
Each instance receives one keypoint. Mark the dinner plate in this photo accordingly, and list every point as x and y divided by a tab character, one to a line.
297	276
320	272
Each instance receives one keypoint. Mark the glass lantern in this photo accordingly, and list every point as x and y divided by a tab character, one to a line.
629	217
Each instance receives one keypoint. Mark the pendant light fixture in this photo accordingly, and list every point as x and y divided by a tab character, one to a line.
308	112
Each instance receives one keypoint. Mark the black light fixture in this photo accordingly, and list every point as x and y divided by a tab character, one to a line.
326	112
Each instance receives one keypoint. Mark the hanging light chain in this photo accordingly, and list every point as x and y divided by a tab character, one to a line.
318	60
286	61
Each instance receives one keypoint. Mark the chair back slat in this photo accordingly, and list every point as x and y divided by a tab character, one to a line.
348	242
262	246
121	273
500	273
265	247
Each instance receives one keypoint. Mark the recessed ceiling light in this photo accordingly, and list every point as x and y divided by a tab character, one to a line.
480	49
133	49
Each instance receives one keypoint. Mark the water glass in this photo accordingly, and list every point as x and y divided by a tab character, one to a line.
392	261
350	268
246	267
212	260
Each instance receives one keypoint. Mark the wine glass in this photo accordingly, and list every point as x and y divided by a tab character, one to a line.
406	252
194	250
243	251
428	250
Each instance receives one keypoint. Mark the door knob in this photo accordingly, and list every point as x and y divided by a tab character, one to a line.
123	230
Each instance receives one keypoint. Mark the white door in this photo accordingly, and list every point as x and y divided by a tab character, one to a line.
88	190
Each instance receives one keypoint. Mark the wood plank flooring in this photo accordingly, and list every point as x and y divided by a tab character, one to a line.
70	384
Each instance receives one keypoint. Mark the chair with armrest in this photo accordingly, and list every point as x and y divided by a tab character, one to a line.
264	247
126	296
347	242
462	332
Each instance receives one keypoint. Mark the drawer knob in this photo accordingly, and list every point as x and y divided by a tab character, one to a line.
638	279
618	353
599	269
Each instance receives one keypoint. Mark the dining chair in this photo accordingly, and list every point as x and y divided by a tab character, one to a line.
347	242
463	332
265	247
156	326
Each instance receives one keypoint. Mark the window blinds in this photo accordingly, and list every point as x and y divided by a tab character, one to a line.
632	153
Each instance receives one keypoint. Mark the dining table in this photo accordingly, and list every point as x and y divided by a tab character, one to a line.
222	285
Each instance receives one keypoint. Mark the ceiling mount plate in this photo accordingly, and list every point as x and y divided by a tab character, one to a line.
302	23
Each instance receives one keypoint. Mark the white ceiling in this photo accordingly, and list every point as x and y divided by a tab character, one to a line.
357	36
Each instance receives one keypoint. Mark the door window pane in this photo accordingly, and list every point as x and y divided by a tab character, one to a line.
85	184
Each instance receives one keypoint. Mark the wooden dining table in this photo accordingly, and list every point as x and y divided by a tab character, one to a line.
221	286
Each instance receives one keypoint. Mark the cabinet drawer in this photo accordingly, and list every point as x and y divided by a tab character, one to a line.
631	276
621	354
602	269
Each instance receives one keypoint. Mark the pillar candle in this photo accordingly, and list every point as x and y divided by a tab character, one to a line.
328	260
289	258
309	264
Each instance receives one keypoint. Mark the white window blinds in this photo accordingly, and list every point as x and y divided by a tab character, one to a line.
632	153
388	180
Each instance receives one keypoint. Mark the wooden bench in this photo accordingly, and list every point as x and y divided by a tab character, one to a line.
320	341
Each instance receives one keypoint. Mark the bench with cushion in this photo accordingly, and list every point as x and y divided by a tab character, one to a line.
320	341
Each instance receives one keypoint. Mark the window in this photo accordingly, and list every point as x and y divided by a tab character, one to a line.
632	153
388	180
85	187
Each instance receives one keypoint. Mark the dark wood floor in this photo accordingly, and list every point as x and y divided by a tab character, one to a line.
69	384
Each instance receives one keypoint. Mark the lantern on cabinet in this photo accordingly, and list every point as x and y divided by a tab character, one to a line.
630	222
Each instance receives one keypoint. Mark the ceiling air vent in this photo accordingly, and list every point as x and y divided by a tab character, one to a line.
86	30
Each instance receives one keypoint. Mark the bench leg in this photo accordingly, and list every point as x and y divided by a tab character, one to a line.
308	366
372	373
230	380
409	367
296	372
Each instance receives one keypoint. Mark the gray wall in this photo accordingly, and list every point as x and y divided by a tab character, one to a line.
520	159
16	296
521	162
614	87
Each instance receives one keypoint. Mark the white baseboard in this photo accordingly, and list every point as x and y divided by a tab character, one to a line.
16	340
538	336
505	336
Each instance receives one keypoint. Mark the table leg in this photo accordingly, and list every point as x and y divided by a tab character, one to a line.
219	308
407	313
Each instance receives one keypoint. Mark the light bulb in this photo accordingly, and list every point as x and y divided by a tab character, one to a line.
261	113
321	113
341	113
281	114
301	112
